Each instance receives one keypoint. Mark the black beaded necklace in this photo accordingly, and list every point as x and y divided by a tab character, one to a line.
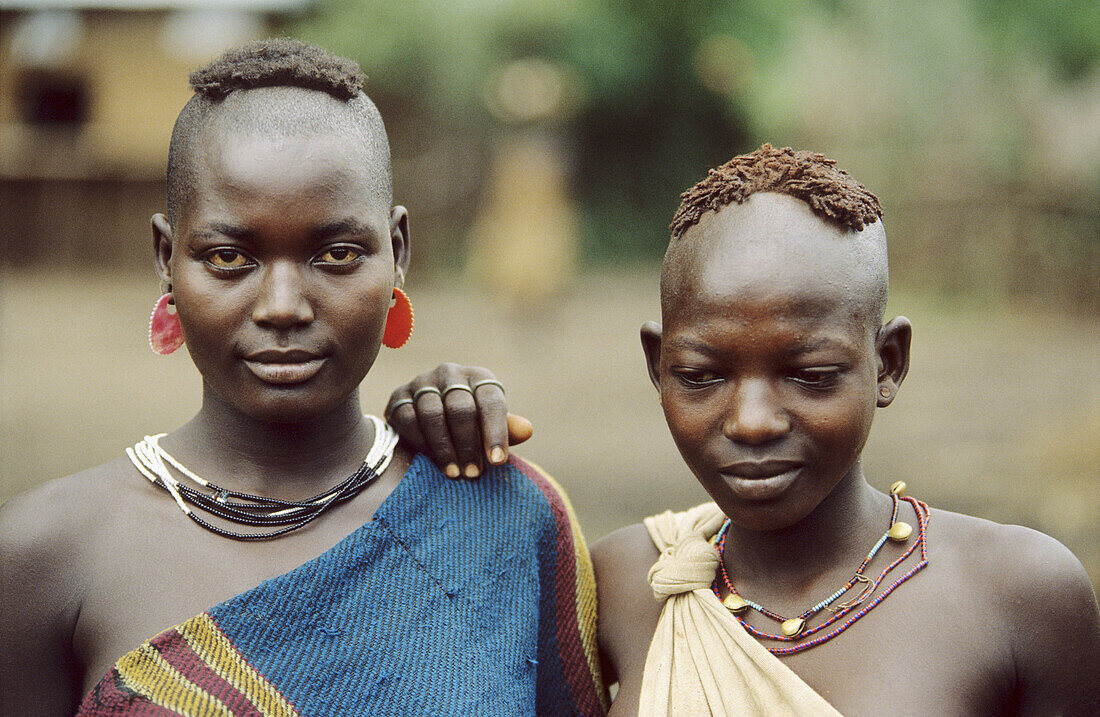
246	509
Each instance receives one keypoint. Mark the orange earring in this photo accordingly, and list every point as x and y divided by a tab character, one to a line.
399	321
165	334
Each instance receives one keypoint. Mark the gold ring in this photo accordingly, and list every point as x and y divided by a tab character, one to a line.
458	387
394	406
427	389
487	382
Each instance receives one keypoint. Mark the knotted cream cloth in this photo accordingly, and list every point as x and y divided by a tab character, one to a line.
701	661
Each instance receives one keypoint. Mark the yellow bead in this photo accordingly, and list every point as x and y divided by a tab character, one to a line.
899	531
898	488
793	626
735	603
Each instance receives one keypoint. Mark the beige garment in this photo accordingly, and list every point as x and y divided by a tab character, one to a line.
701	661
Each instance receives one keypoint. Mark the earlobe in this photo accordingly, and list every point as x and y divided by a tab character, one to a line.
892	346
651	346
162	247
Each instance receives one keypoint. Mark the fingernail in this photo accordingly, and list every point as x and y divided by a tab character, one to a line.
497	455
472	471
452	470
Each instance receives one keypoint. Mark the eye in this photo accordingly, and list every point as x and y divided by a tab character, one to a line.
817	377
339	256
227	259
696	378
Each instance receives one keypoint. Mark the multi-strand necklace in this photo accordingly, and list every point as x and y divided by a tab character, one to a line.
256	510
793	629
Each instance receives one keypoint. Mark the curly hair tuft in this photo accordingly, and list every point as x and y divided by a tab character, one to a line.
279	62
830	191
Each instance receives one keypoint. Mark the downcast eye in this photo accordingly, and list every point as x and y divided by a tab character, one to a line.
339	255
227	259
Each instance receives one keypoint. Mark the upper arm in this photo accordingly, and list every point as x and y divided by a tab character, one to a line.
39	674
628	612
1056	645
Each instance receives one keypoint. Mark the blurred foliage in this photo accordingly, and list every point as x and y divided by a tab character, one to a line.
957	103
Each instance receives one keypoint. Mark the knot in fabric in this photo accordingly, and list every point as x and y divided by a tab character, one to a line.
688	565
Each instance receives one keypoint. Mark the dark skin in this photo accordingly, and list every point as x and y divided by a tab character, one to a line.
282	266
769	367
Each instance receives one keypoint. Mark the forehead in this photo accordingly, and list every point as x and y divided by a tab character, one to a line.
773	250
288	141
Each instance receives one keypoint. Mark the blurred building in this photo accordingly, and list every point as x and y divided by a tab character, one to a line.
89	90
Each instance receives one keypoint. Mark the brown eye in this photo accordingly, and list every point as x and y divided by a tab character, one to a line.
227	259
339	255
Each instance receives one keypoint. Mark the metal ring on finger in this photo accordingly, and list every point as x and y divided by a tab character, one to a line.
458	387
487	382
396	405
427	389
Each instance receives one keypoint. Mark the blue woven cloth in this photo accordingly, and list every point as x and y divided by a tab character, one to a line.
458	598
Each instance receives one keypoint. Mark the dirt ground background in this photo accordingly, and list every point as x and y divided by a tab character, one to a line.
1000	415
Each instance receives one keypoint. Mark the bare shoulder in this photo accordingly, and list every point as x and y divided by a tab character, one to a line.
46	536
1015	562
1042	594
628	612
59	516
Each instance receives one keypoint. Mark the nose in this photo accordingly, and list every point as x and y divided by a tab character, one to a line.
754	415
282	302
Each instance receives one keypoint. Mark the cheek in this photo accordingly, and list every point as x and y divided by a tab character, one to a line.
842	427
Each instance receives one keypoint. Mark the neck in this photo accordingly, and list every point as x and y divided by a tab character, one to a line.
831	539
280	460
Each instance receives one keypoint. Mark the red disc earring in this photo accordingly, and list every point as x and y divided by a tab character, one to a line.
165	334
399	321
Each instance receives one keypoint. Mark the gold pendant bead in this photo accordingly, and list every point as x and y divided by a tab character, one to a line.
793	626
898	488
735	603
899	532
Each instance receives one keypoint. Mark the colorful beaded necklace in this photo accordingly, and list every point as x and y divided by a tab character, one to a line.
256	510
795	628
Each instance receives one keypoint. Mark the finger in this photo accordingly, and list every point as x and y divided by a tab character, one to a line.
404	421
519	429
401	414
433	426
462	422
492	416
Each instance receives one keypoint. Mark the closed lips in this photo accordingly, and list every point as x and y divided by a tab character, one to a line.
284	367
759	469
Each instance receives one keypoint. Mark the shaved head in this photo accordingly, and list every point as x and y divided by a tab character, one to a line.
273	89
773	241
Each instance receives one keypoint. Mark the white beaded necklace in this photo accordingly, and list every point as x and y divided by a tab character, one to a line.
153	462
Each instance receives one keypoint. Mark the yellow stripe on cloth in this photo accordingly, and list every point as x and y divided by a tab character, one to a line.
215	649
147	673
585	591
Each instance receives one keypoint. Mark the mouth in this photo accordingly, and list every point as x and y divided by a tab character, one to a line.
760	480
282	367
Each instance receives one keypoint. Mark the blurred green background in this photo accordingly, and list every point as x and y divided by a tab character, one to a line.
541	147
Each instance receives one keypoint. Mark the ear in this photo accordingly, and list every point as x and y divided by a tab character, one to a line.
399	238
162	248
651	345
892	348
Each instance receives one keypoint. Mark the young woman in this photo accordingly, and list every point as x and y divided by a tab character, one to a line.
309	564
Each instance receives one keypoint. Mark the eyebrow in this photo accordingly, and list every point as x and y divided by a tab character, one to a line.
823	342
343	227
683	342
220	229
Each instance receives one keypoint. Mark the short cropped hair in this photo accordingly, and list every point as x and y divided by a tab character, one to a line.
830	191
278	62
